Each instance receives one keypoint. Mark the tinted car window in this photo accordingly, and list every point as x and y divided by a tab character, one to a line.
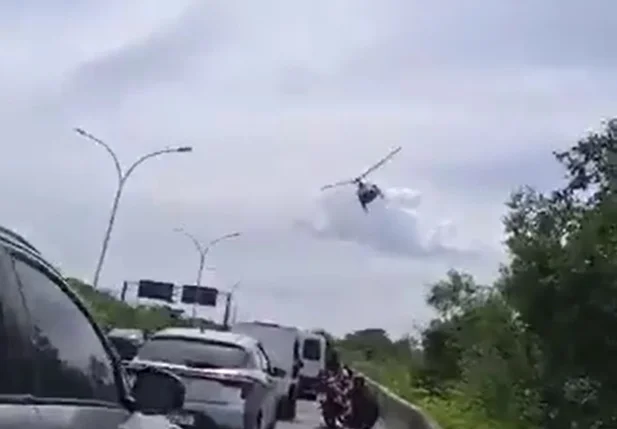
253	362
195	353
311	349
72	360
263	359
17	369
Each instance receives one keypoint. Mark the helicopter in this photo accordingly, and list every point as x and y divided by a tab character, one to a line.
366	192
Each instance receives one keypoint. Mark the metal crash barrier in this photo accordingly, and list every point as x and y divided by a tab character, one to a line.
395	412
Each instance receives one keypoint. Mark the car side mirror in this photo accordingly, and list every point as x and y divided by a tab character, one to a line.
278	372
157	391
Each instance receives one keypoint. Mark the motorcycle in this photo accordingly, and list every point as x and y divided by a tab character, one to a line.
345	403
332	402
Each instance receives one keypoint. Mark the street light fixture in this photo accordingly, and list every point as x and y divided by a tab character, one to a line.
203	250
122	177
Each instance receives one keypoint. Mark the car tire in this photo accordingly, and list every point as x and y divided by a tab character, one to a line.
293	408
287	408
280	409
259	421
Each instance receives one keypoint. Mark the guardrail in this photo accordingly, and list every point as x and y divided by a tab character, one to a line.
397	413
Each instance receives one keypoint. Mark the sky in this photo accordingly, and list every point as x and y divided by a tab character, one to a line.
279	98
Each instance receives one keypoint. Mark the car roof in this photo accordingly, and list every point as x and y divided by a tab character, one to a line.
268	324
312	335
240	340
14	238
16	243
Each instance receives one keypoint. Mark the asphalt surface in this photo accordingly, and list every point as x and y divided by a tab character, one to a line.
309	417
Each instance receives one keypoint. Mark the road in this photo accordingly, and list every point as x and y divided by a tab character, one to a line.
308	417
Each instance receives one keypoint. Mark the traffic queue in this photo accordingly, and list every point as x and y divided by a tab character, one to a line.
60	369
247	377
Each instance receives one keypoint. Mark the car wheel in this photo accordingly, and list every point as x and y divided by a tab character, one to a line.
280	409
287	409
293	405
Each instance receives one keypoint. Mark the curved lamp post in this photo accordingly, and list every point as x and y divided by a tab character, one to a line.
122	177
229	297
203	250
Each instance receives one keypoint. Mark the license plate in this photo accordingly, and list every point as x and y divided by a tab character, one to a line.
182	419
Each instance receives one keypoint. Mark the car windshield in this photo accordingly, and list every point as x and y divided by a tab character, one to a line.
311	349
194	353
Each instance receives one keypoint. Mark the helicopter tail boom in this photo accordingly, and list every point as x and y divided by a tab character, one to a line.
342	183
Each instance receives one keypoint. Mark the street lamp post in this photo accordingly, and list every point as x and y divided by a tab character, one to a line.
228	300
612	156
122	177
203	251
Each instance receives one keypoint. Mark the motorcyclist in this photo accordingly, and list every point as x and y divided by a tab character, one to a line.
348	372
332	399
364	408
332	360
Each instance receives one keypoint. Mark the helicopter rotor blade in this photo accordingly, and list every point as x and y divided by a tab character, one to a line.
342	183
380	163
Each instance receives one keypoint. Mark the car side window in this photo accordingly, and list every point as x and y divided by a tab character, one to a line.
296	350
263	357
17	369
253	361
72	361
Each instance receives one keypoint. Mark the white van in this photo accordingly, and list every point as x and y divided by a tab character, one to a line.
313	356
282	344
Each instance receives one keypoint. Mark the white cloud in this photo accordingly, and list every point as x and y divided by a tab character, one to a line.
278	98
392	225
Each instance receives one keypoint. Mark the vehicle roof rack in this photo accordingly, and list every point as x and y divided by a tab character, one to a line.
17	239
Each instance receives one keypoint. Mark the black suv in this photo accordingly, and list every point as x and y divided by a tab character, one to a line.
57	369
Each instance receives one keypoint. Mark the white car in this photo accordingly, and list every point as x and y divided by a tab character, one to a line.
282	344
228	377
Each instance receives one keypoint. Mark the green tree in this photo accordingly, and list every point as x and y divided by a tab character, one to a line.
477	346
110	312
562	282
